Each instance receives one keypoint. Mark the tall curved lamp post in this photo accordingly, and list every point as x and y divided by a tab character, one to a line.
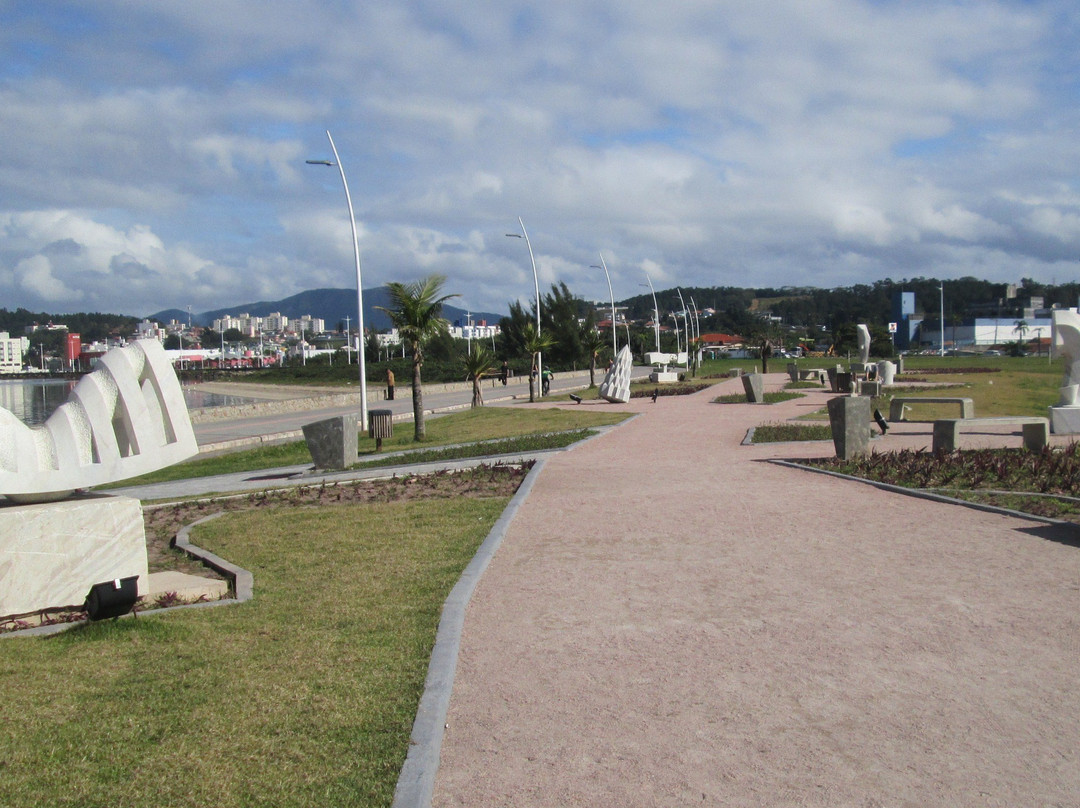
536	285
359	283
686	323
655	312
697	330
614	332
941	288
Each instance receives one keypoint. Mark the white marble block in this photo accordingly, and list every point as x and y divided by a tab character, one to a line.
616	385
52	553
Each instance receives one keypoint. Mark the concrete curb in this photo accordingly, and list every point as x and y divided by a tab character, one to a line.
416	782
919	493
243	581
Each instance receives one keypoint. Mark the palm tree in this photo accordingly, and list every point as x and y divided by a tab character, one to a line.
476	364
593	343
534	344
1021	328
415	314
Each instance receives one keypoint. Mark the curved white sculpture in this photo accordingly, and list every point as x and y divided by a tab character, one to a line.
616	385
126	418
864	343
1066	323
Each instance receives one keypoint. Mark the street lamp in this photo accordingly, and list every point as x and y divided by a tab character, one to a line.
536	285
359	284
941	288
697	331
686	322
655	312
614	333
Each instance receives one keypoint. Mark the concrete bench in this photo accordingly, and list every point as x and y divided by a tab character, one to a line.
896	406
1036	431
818	375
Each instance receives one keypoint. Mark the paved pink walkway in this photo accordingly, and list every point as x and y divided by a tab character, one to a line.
670	621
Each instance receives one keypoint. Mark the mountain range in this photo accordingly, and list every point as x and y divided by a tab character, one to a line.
331	305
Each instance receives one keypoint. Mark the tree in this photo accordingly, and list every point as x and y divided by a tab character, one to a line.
476	364
1021	328
534	344
415	313
593	343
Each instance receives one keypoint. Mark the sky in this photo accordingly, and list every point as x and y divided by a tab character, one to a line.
154	153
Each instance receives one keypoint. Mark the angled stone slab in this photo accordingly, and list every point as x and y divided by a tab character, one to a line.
332	442
754	387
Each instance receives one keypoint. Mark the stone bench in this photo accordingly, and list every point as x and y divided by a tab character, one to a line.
1036	431
896	406
819	375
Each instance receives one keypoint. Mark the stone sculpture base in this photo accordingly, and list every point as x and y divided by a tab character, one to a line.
1065	420
332	442
616	385
754	387
52	553
850	421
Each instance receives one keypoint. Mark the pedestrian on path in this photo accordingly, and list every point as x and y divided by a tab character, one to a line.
389	385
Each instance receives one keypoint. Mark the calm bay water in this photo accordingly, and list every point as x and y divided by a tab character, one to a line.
32	400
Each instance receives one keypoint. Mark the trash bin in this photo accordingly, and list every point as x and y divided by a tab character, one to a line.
380	425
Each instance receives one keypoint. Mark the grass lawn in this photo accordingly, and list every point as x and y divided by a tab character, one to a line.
303	696
482	423
1020	386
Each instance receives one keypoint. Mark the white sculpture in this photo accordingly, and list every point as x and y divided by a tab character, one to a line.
616	385
886	372
126	418
864	343
1066	323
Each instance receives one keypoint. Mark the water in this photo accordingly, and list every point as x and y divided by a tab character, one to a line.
33	400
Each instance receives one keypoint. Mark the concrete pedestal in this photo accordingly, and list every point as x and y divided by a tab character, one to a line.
849	418
663	377
1065	420
52	553
332	442
754	386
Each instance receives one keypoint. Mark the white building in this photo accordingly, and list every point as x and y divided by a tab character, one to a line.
475	331
147	329
980	333
12	350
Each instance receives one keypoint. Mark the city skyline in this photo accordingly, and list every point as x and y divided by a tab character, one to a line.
155	156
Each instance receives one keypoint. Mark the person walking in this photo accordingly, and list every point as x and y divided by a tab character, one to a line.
389	385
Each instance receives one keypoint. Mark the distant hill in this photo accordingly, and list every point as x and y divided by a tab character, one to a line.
331	305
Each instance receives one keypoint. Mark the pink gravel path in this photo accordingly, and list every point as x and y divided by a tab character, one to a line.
670	621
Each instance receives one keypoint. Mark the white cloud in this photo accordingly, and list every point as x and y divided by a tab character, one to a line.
713	142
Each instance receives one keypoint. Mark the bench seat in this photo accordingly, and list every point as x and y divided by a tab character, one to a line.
1036	431
896	406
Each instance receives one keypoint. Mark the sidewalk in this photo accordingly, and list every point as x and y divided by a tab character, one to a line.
670	620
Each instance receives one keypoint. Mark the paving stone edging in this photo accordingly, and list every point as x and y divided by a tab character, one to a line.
416	782
930	495
243	581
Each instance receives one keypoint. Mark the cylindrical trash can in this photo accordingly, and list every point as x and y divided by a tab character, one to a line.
380	425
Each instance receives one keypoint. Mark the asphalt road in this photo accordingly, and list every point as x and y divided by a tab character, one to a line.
287	425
